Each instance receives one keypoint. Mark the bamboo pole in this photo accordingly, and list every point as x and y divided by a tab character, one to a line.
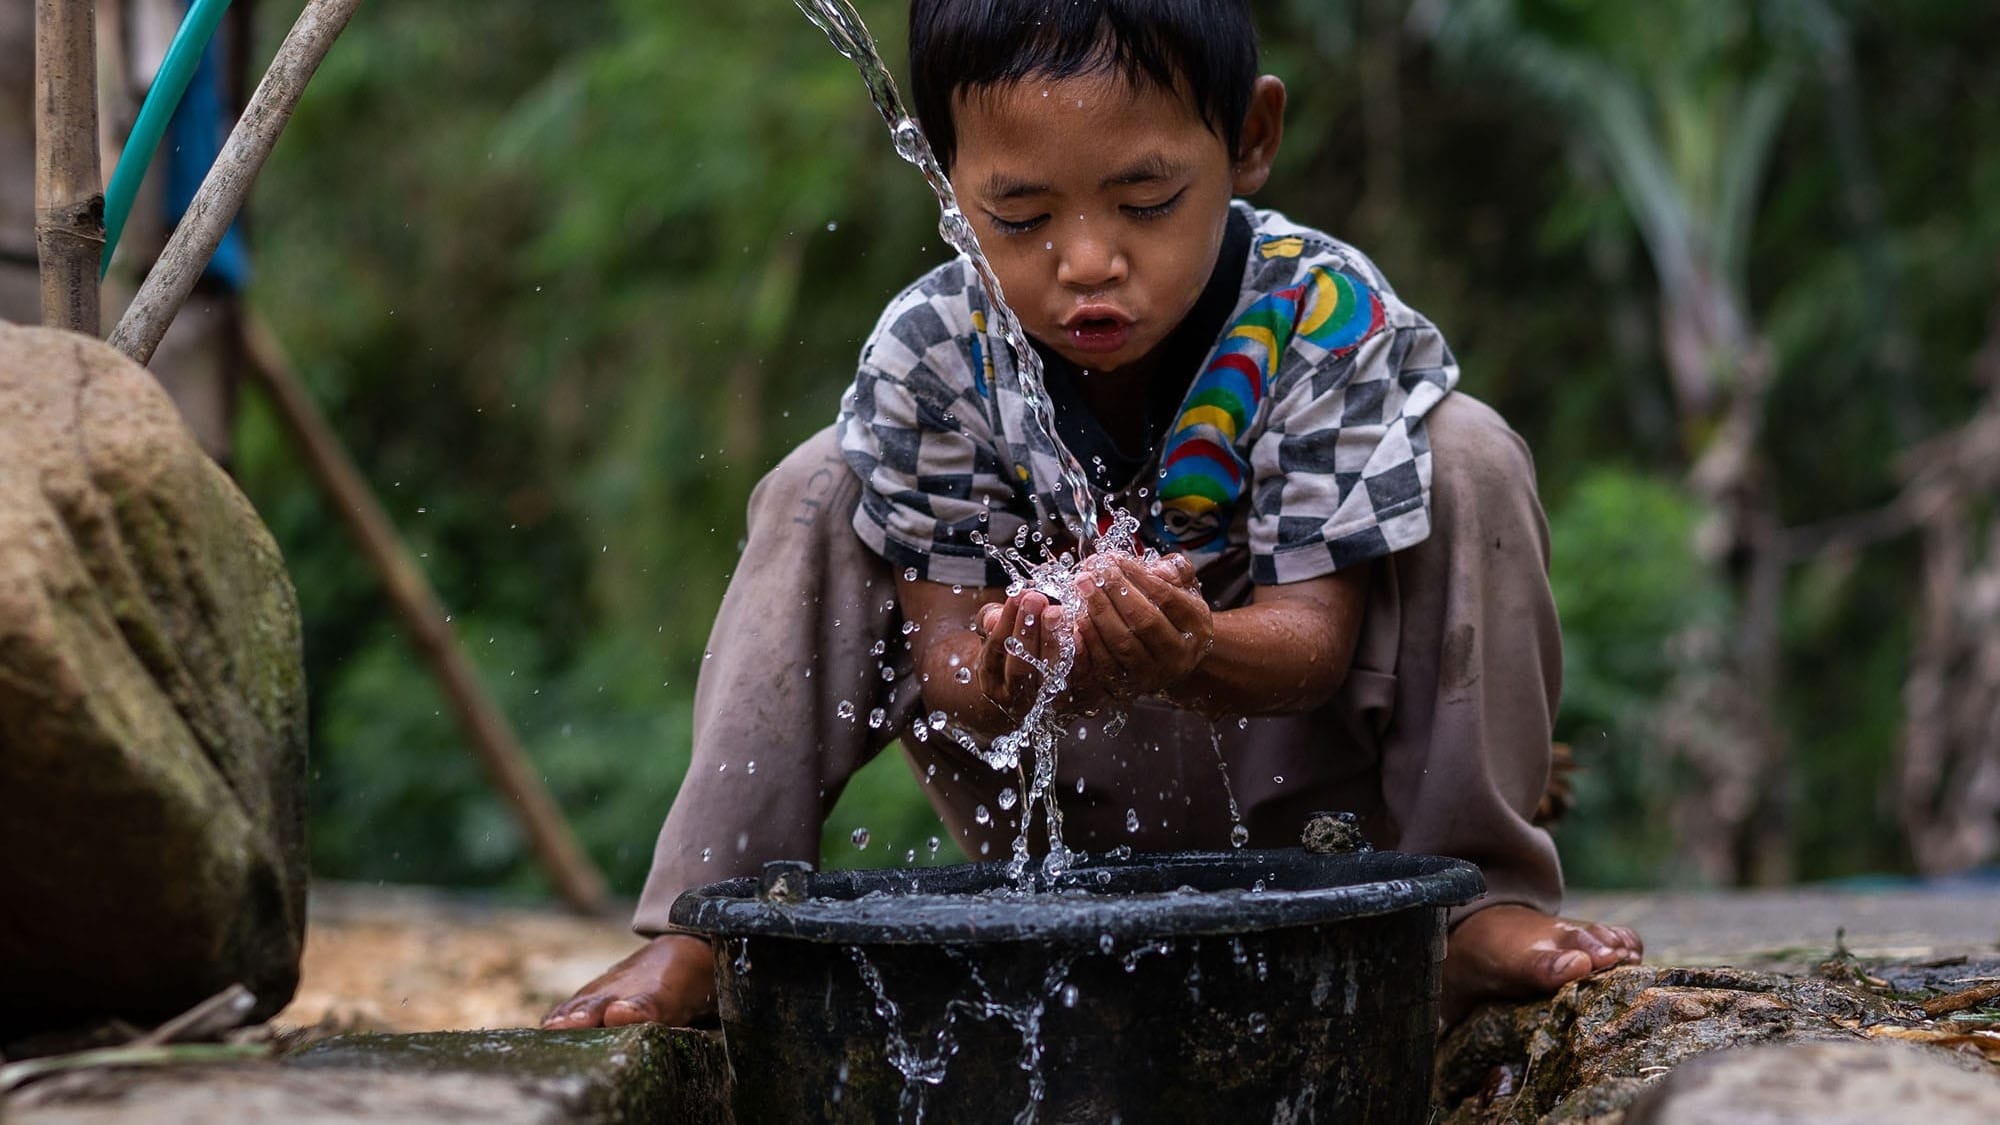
69	197
576	879
228	183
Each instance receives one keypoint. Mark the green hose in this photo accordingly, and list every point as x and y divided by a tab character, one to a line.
169	86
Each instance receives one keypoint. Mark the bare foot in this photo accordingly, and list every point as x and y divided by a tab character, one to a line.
669	980
1514	951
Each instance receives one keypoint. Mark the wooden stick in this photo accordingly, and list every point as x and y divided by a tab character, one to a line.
228	183
1973	997
221	1012
576	879
69	196
173	1054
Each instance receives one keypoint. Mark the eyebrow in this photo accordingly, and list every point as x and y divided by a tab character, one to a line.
1148	169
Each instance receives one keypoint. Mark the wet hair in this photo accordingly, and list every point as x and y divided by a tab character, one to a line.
1203	50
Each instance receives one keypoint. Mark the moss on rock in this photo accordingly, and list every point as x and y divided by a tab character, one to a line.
152	705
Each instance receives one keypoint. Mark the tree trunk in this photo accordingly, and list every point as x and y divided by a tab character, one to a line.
1720	718
69	184
1948	768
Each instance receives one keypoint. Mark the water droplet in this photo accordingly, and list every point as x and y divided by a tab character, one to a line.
910	574
1007	798
705	853
831	226
1258	1024
1243	724
750	767
878	648
1079	785
1131	820
1104	943
888	673
876	718
938	719
910	627
933	844
860	838
963	675
1257	888
1278	778
910	856
981	815
1069	994
1239	836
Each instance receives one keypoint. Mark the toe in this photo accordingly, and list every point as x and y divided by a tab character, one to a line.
580	1012
1621	943
1604	945
1559	967
630	1010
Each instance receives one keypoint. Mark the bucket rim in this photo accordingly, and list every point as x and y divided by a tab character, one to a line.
975	903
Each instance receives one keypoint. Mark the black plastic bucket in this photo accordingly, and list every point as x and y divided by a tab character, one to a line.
1239	986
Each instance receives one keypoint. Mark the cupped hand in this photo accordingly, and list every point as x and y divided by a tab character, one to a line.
1142	627
1021	639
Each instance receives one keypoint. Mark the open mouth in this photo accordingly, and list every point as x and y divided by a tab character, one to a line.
1098	333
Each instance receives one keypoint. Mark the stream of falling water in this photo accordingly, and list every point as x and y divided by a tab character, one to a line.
1095	525
1034	743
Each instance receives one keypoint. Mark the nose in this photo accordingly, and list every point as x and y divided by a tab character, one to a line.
1088	260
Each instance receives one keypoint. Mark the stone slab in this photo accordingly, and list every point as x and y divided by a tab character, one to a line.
637	1074
1823	1084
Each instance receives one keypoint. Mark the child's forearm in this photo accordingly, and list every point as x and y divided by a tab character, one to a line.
945	676
1288	651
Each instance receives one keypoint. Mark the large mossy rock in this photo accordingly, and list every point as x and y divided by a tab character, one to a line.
152	706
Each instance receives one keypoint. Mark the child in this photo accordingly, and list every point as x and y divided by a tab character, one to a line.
1354	564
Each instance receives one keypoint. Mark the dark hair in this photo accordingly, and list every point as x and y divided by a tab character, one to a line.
1205	50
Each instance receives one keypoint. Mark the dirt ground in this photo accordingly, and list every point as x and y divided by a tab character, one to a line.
410	959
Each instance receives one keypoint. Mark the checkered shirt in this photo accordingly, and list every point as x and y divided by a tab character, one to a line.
1317	460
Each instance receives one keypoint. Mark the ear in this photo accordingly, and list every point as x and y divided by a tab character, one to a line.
1263	128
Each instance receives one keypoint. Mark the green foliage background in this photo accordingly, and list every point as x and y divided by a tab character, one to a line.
569	278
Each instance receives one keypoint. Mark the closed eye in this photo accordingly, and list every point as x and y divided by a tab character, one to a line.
1013	226
1156	210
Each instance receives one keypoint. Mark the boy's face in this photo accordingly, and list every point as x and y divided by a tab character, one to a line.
1101	205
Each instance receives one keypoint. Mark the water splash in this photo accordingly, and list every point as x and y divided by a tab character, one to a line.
923	1069
1093	523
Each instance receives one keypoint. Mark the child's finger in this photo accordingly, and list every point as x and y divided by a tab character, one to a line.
992	670
1111	609
1181	607
1029	628
1175	569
